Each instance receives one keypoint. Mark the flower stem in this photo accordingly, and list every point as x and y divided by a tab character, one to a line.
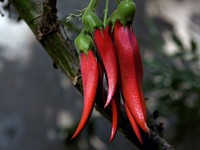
105	13
92	5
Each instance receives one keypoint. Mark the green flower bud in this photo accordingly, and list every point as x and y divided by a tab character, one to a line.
91	21
126	12
83	43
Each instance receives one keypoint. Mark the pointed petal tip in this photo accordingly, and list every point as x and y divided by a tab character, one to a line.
77	132
74	135
146	129
112	136
107	103
140	140
110	97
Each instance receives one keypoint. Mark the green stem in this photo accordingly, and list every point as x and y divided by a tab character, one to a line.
105	13
92	5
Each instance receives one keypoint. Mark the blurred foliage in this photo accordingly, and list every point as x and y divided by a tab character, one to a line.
174	82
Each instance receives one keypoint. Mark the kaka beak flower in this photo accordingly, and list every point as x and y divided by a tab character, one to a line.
90	76
130	65
130	77
120	60
107	54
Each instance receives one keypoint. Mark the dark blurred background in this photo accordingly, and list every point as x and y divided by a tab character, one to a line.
39	107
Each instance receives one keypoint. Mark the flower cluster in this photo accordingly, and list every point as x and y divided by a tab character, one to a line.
111	48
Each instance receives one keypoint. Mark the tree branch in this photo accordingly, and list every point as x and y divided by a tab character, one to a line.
42	20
